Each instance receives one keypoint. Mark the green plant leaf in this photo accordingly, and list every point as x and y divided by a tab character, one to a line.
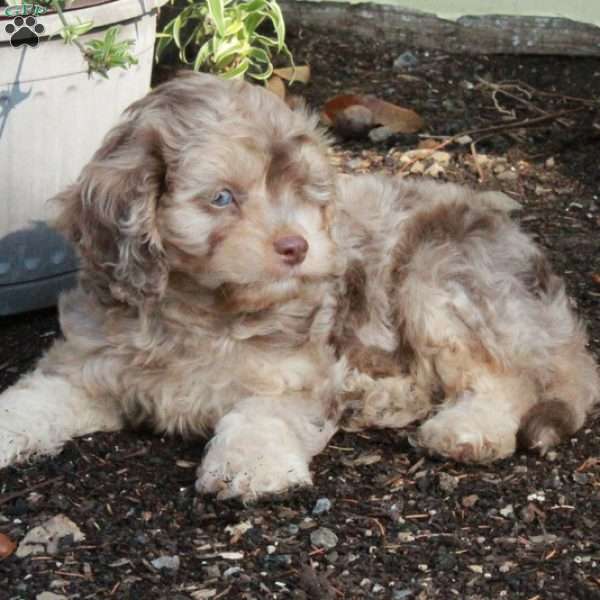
203	54
276	17
177	31
216	9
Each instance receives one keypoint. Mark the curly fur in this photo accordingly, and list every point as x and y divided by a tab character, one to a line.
186	318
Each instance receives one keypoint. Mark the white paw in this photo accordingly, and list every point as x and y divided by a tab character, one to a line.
248	464
470	434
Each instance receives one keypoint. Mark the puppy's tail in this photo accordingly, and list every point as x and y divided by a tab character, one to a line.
546	424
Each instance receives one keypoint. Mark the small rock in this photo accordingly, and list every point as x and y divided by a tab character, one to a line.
121	562
581	478
332	557
171	563
505	567
380	134
50	596
279	560
293	529
46	538
232	555
212	571
231	572
550	163
464	140
508	176
407	61
470	501
324	538
476	569
271	549
34	498
365	583
204	594
447	483
238	530
377	589
540	190
322	505
507	511
548	538
401	594
449	105
539	496
368	458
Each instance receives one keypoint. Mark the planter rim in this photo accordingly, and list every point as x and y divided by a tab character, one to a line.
103	15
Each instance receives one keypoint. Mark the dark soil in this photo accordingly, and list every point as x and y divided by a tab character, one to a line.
408	526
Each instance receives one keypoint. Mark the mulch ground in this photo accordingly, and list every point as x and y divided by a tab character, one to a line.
406	525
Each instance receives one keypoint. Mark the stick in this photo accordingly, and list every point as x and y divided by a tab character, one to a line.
494	129
8	497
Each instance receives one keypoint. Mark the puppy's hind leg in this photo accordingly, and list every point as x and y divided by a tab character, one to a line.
572	388
42	411
480	422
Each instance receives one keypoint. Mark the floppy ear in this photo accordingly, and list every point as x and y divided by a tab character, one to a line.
110	216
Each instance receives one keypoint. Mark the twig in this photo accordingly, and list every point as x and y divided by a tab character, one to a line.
12	495
495	129
502	89
535	91
476	162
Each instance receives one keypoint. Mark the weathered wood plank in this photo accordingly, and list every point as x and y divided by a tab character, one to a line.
490	34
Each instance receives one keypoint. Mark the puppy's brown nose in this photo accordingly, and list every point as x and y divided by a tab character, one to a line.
292	248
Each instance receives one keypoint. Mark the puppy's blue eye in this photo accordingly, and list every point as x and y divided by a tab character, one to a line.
223	198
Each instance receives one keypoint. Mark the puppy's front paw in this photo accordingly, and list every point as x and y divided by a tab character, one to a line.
249	464
469	434
250	475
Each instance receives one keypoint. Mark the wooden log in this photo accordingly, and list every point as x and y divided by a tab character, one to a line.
488	34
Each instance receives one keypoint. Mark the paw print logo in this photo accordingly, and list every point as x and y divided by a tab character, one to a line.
24	31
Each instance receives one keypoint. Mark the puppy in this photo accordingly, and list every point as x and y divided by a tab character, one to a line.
446	298
203	224
230	285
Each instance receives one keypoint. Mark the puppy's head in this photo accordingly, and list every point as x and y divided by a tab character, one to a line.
215	181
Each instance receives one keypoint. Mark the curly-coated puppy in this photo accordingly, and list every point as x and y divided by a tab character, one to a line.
228	285
206	291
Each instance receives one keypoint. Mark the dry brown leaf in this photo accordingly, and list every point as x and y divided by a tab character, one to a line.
276	85
396	118
7	546
300	73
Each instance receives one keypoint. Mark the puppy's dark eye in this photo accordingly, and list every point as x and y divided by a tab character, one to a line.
222	199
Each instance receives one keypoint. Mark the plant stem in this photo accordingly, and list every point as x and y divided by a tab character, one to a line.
63	20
